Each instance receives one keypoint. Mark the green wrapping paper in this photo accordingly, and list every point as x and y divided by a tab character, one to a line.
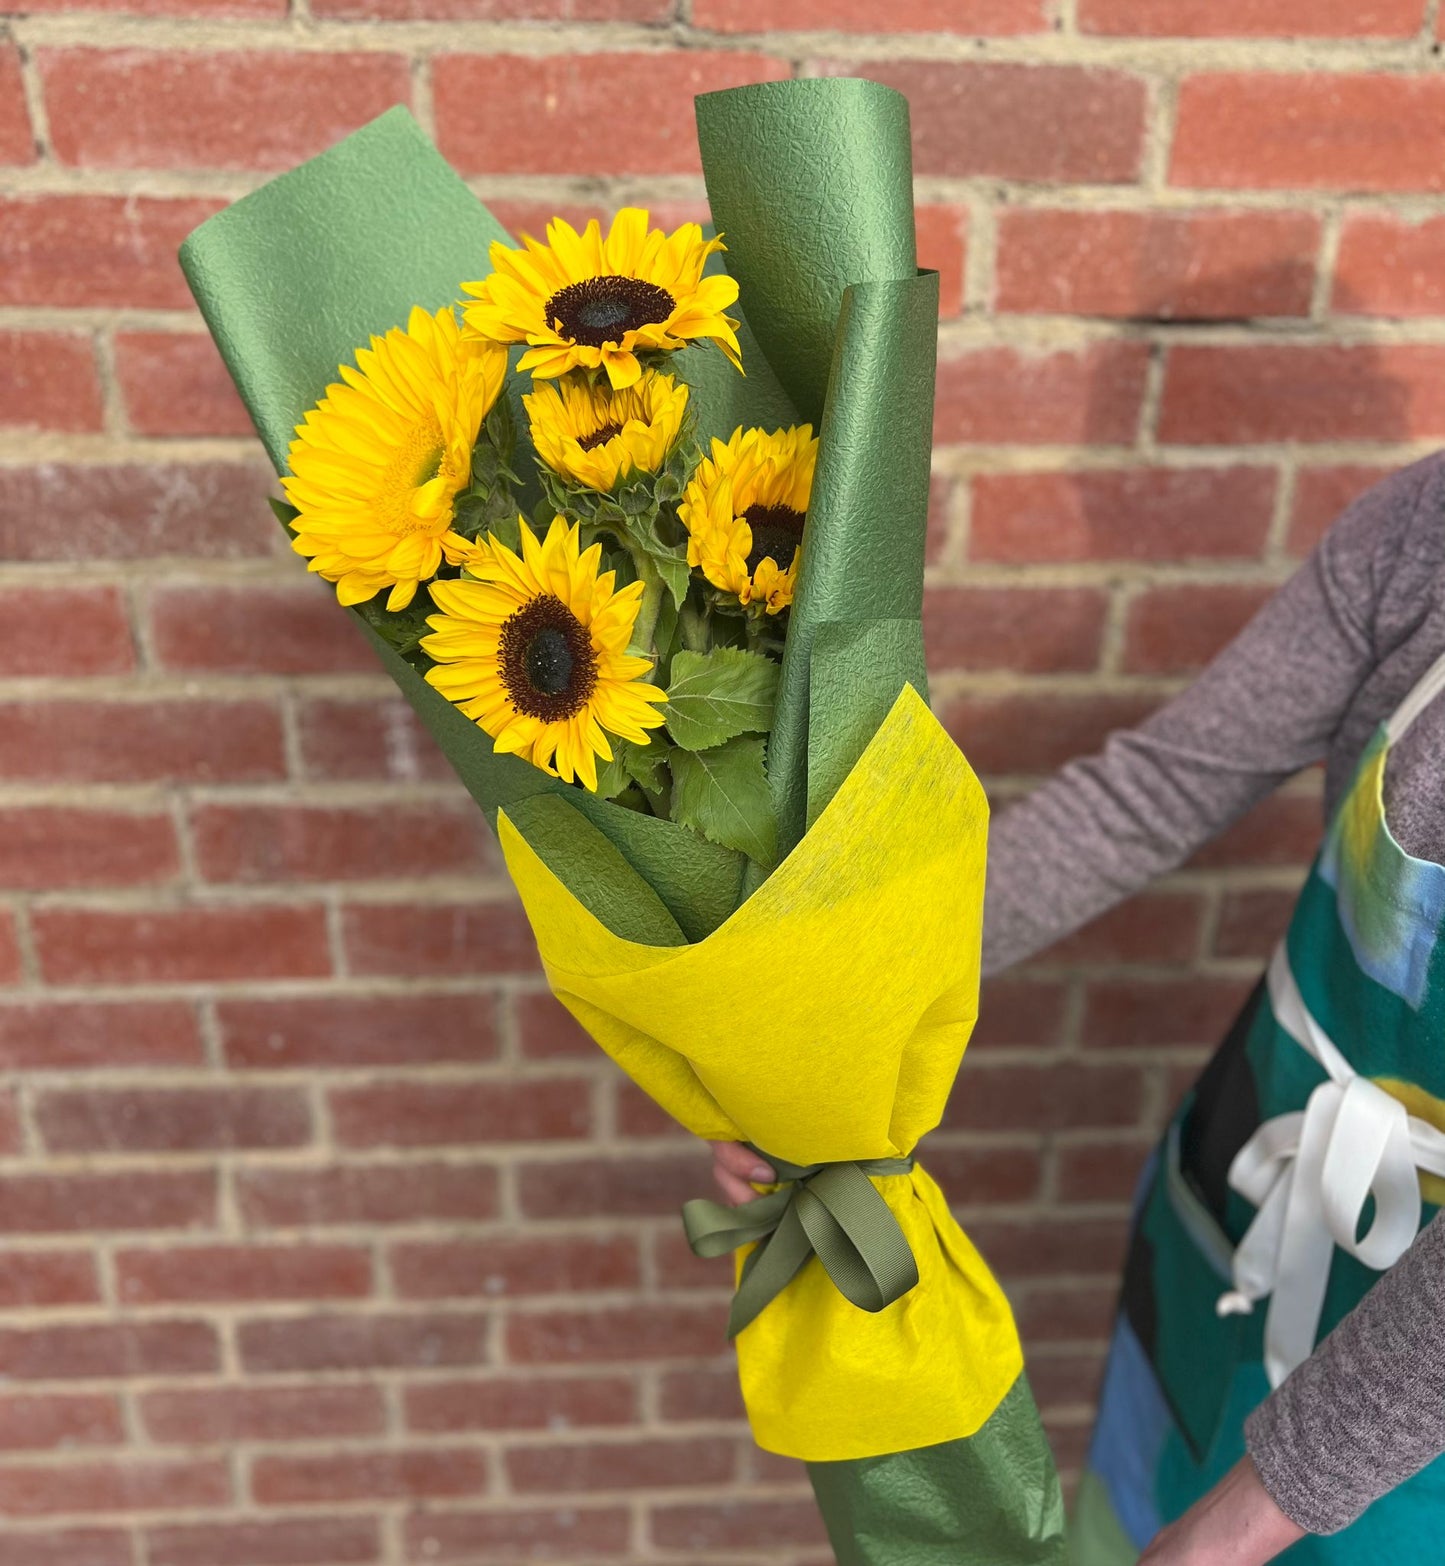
811	184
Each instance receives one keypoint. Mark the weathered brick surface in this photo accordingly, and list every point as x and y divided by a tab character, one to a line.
329	1238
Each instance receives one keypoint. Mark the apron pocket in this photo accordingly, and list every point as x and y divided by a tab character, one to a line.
1179	1265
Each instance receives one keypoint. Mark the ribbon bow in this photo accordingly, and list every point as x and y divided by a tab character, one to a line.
1310	1175
831	1211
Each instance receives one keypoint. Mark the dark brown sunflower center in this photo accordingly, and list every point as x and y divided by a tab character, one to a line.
598	437
548	666
600	309
777	532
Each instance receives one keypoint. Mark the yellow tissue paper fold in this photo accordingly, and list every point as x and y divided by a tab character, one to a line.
825	1020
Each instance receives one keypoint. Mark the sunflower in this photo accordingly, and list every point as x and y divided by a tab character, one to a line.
744	510
582	301
535	651
379	460
597	436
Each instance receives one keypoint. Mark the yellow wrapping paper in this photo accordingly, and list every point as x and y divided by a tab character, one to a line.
825	1020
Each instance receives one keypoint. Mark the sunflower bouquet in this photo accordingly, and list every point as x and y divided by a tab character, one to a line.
663	617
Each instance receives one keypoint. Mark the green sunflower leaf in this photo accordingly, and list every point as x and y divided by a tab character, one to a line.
722	793
644	763
714	696
673	570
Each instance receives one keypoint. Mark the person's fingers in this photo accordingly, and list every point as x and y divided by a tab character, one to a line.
733	1166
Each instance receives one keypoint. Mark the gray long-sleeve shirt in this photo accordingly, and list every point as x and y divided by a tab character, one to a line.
1309	679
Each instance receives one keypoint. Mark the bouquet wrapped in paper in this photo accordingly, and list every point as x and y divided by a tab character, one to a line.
637	525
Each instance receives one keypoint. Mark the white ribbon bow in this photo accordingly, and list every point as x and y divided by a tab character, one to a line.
1310	1175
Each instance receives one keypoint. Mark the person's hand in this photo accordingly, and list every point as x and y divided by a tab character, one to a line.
733	1165
1236	1524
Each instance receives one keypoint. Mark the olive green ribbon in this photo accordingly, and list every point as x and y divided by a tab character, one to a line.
831	1211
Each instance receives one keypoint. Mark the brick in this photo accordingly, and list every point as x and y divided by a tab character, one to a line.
109	1351
497	1533
17	139
973	119
174	1484
424	1114
1007	396
295	627
10	967
1034	630
104	741
700	1393
366	1194
1159	1013
637	1115
1320	495
267	844
69	1547
368	1476
515	114
943	246
233	109
143	1120
1284	392
1028	733
30	1279
1077	1311
58	1421
416	1341
1101	1171
1021	1013
459	940
290	1541
1144	514
1321	131
619	1465
50	381
188	945
174	383
1178	629
357	1031
996	1096
983	17
219	1273
202	8
106	251
1281	830
1152	927
497	10
639	1185
1250	19
643	1331
750	1524
82	1203
378	738
53	630
1042	1247
1166	266
1252	922
81	1035
12	1138
548	1031
500	1267
45	847
520	1403
1390	266
220	1416
208	510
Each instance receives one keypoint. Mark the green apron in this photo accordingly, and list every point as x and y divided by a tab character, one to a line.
1301	1165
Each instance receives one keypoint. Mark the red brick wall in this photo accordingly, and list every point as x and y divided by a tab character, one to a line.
325	1240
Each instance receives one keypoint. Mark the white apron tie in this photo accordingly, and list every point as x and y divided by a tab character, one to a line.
1309	1174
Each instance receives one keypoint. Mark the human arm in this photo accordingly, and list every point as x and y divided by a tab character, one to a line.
1267	706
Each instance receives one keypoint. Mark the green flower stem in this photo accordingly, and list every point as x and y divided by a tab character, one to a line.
695	625
644	629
